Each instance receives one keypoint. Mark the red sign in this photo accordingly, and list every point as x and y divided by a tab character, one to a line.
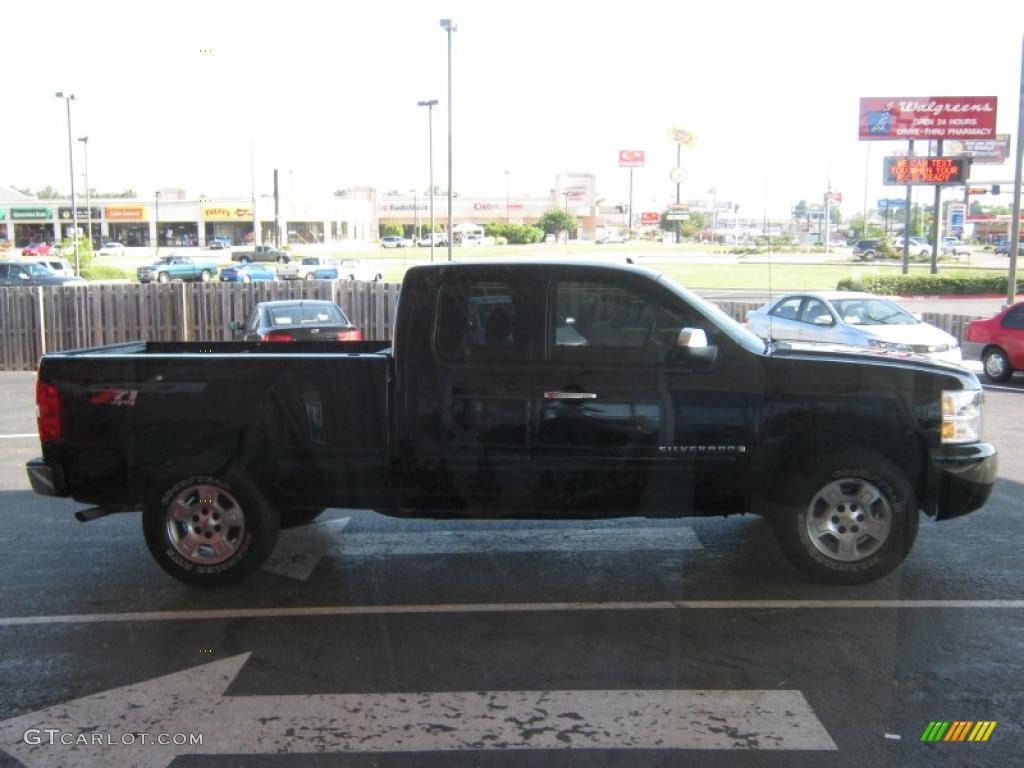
837	197
650	217
631	158
925	170
931	117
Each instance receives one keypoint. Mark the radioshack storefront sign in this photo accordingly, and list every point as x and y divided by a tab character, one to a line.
929	117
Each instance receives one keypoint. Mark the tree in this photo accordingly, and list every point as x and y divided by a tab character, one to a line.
392	230
835	216
976	209
556	220
800	210
341	193
48	193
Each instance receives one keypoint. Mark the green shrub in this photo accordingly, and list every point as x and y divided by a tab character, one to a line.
950	284
518	234
107	273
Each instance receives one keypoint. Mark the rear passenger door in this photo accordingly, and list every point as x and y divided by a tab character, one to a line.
483	347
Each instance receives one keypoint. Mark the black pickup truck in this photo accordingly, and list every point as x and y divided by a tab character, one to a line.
516	390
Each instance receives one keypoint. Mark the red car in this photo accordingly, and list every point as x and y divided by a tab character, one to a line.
999	341
36	249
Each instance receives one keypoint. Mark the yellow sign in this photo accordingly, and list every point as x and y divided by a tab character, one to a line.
226	213
679	136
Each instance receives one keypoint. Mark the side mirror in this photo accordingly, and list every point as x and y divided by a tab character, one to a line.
235	327
692	344
823	320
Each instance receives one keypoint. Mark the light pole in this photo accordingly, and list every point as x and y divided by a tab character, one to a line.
449	26
430	154
88	200
415	213
508	213
71	163
156	216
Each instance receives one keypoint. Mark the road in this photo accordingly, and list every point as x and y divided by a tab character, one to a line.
371	641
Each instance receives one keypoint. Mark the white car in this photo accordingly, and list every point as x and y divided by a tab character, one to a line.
611	237
852	319
111	249
59	267
304	268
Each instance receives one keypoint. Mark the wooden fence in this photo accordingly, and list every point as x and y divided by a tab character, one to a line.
37	320
49	319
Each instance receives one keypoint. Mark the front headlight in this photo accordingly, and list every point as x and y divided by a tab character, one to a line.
961	415
891	346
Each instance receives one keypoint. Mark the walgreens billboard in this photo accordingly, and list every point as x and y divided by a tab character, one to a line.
929	117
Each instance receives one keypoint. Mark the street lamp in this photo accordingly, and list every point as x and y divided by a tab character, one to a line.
156	218
71	163
507	212
88	199
430	153
449	26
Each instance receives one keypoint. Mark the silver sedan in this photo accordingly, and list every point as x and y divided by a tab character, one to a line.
853	319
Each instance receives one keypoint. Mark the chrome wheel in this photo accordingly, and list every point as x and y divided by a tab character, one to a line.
849	519
205	524
996	365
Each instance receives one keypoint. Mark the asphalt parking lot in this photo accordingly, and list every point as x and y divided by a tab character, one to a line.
373	641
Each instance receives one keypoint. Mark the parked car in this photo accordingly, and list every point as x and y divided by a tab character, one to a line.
219	243
36	249
658	405
306	268
918	247
21	273
866	250
112	248
440	238
851	319
261	253
998	342
59	267
177	266
1003	247
952	246
611	237
297	321
347	269
247	273
391	241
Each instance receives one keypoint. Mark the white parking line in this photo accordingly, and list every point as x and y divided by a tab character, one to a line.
468	608
24	436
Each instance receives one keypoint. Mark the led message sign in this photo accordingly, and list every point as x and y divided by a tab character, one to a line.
925	170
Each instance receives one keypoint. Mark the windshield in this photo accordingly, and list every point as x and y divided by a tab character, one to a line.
307	314
37	270
872	312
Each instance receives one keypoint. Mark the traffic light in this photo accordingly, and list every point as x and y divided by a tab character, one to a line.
995	189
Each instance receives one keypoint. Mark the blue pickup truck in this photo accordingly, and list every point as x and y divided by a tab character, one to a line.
177	267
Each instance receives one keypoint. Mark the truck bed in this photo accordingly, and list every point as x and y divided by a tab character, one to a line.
309	418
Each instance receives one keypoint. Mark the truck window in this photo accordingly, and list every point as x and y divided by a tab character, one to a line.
480	321
597	321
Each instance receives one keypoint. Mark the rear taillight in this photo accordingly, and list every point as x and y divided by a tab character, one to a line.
48	413
278	336
354	335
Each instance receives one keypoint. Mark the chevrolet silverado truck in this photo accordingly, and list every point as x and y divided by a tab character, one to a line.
177	267
516	390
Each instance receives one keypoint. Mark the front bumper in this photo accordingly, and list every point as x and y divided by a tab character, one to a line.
46	479
962	478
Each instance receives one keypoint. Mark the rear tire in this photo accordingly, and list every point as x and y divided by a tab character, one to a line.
205	276
163	278
850	517
996	365
209	530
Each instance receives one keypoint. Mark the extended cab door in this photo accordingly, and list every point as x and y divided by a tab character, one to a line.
468	409
627	423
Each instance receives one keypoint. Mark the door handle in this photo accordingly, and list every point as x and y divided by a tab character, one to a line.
570	396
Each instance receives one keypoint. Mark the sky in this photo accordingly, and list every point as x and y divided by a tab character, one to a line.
206	96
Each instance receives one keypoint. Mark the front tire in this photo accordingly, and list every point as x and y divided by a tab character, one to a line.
163	278
849	517
996	365
209	530
204	276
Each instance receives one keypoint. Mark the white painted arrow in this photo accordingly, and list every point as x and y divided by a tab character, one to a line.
300	549
193	702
